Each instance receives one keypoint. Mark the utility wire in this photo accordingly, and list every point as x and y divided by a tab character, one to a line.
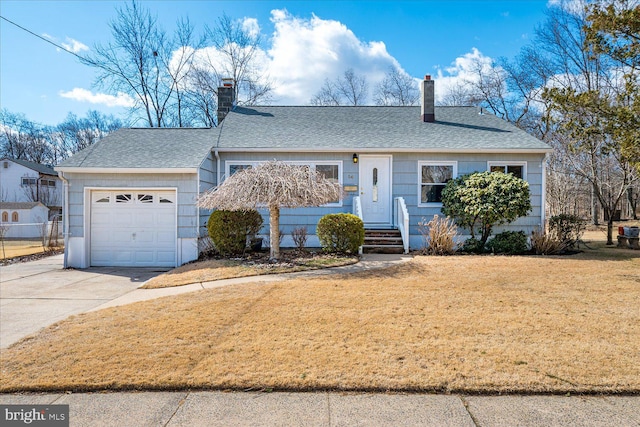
45	39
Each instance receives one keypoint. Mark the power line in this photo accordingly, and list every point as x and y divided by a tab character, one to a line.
45	39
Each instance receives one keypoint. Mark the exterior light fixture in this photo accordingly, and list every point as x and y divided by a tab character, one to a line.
355	158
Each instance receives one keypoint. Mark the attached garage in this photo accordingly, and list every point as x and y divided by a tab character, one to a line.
133	228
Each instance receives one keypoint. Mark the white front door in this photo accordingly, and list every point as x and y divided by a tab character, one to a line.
375	189
133	228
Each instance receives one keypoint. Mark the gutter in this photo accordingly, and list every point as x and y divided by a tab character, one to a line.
65	217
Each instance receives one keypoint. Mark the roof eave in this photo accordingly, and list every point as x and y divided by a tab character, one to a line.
161	170
388	150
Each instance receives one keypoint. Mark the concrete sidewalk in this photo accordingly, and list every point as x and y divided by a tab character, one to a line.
337	409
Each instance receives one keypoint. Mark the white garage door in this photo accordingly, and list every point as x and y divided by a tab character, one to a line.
133	228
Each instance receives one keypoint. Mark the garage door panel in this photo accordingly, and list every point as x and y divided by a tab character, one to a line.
119	237
143	219
122	256
100	257
133	231
144	238
144	257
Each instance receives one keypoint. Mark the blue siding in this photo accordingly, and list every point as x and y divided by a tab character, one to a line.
405	184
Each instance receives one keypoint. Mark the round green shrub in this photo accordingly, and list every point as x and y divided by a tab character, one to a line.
341	233
230	231
508	242
472	246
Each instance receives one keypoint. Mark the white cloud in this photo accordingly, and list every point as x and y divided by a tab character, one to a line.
250	27
463	69
304	52
74	45
83	95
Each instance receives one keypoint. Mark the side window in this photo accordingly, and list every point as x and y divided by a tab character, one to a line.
5	216
434	176
517	169
14	217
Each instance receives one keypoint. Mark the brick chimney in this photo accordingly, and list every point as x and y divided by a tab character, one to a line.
226	100
427	108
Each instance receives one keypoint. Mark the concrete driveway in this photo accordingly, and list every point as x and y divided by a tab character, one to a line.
39	293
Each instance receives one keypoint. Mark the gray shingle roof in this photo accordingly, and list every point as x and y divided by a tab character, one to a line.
43	169
147	148
307	129
19	205
375	128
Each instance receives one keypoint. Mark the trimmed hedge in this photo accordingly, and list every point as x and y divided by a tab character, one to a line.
341	233
230	231
508	242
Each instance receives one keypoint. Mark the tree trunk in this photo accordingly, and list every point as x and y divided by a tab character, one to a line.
274	232
595	214
610	229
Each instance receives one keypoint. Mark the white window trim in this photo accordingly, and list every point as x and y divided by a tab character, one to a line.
30	178
508	163
421	163
311	163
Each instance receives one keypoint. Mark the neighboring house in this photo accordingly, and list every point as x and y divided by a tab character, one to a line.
132	196
23	219
24	181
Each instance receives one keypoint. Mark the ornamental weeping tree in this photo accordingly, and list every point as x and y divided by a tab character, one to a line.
273	185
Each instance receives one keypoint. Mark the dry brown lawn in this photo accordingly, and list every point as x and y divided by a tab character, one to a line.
213	269
16	248
475	324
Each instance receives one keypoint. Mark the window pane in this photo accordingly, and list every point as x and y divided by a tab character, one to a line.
437	173
145	198
328	171
432	193
123	198
237	168
515	171
495	168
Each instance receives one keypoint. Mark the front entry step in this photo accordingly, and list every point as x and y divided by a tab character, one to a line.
382	241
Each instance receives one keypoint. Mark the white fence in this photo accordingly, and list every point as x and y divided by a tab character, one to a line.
32	230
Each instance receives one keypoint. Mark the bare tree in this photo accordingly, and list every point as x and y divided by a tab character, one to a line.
23	139
233	54
397	88
350	89
145	63
77	133
274	185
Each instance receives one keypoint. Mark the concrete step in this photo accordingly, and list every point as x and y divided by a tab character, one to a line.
385	241
382	249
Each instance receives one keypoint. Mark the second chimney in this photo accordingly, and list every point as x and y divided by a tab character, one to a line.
427	107
226	100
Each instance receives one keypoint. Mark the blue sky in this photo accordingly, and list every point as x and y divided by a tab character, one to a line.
304	43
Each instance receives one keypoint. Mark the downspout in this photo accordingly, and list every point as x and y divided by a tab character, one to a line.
65	217
215	153
543	197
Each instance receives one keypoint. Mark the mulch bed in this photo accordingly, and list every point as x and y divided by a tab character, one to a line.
32	257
